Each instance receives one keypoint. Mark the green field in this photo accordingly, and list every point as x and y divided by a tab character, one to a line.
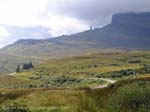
88	83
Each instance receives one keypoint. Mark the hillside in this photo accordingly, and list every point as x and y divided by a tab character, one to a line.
128	31
89	83
88	70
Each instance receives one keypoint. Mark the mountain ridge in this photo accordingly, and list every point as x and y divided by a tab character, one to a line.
127	31
116	19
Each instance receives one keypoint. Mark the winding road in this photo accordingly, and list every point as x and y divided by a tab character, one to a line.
109	81
12	74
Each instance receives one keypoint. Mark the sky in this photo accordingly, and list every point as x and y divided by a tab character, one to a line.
59	17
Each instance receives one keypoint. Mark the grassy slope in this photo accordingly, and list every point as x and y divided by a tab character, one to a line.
76	100
84	67
6	80
78	66
73	67
79	100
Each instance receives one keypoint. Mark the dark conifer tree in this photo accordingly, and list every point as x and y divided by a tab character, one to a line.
18	69
27	66
31	65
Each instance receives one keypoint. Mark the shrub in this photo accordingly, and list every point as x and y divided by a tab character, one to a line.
135	61
132	98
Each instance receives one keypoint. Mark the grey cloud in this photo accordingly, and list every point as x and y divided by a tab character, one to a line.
99	12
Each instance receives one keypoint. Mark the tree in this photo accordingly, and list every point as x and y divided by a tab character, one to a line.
28	65
18	69
31	65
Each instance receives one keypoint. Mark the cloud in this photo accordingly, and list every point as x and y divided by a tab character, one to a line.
28	13
3	32
4	40
98	12
95	12
21	12
61	25
62	16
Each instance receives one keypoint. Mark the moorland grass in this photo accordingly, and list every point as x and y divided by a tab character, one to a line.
127	95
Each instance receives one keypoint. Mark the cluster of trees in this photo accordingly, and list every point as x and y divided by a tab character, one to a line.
25	66
28	65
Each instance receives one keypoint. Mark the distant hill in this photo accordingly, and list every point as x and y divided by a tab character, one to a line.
127	31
